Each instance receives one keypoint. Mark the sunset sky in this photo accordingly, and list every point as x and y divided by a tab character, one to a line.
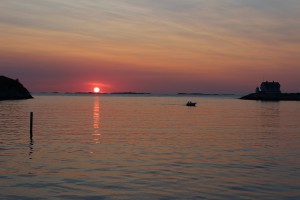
157	46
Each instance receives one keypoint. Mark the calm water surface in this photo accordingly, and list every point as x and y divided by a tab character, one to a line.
147	147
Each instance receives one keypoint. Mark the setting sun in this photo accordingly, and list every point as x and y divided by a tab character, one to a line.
96	89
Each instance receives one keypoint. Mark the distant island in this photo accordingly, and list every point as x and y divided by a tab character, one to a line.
11	89
130	93
204	94
100	93
270	91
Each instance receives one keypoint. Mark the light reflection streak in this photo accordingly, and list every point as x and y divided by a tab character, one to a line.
96	121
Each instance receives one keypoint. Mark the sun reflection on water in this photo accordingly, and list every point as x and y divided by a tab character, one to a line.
96	121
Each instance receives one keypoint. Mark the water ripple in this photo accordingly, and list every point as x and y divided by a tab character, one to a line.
87	147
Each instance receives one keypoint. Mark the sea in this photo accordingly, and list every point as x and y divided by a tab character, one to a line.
149	147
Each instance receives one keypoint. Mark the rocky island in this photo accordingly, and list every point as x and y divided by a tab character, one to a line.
11	89
270	91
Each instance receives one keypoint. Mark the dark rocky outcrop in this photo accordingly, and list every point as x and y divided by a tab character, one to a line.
12	89
270	91
273	97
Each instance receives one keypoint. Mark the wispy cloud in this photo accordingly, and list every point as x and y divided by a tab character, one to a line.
205	37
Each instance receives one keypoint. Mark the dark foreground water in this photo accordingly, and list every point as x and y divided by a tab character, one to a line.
118	147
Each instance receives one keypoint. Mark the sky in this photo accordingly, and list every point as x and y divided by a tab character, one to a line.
156	46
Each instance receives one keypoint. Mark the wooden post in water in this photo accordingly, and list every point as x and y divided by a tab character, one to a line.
31	121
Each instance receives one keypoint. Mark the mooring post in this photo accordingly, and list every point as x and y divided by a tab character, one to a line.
31	121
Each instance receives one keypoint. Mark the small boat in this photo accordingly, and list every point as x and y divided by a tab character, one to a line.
189	103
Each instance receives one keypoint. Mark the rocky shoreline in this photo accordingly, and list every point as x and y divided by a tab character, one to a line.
272	97
11	89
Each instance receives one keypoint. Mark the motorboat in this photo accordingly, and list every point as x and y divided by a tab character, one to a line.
189	103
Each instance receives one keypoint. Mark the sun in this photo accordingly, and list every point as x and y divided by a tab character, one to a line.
96	89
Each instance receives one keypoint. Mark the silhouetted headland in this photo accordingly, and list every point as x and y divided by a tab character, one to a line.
270	91
11	89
